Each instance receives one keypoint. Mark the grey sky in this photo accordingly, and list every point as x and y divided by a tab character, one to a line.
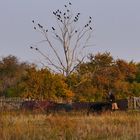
116	24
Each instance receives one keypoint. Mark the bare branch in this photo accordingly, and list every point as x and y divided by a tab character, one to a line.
77	65
54	50
73	40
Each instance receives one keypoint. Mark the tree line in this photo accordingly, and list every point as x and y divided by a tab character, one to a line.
90	81
68	73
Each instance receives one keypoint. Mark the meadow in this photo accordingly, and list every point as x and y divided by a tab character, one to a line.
107	126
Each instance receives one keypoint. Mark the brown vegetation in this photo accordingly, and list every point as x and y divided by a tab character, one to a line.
118	125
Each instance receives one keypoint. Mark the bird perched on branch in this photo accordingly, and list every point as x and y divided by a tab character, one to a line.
40	26
90	28
53	28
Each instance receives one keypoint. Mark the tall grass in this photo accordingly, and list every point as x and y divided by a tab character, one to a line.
27	126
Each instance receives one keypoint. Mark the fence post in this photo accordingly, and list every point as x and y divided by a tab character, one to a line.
134	102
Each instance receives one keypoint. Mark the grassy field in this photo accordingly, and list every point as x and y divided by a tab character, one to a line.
109	126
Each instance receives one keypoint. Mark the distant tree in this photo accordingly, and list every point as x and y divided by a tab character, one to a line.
72	37
42	84
11	72
96	76
37	84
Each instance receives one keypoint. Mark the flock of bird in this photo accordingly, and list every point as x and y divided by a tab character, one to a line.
62	17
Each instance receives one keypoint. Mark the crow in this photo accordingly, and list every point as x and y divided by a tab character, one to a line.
53	28
40	26
54	13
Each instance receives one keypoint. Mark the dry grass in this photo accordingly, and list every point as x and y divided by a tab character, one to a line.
115	126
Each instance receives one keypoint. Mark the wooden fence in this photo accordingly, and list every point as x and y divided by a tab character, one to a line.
15	103
10	103
134	103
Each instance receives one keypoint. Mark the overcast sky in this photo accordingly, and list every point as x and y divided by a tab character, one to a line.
116	24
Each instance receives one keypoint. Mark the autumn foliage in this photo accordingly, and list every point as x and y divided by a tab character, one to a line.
91	81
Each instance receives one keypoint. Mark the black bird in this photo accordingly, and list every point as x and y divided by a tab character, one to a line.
65	5
68	10
46	30
35	28
90	17
54	13
31	47
40	25
76	18
33	21
90	28
75	31
53	28
36	49
70	3
59	16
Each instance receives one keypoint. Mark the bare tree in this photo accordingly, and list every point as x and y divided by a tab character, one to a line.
73	40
